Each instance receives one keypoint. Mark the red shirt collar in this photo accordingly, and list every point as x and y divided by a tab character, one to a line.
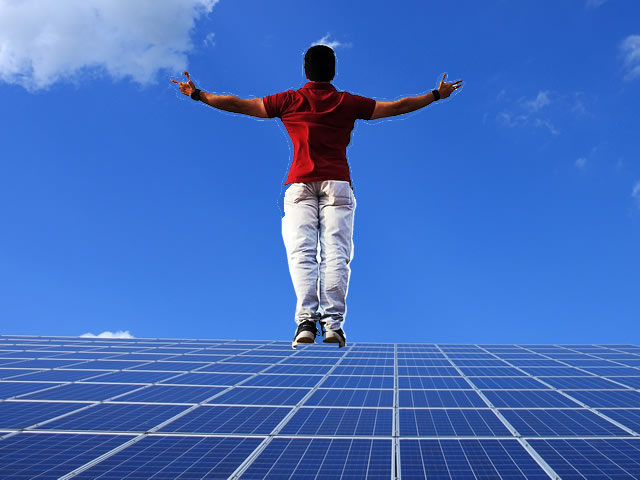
319	85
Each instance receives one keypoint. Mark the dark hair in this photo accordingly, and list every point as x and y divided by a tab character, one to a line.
320	63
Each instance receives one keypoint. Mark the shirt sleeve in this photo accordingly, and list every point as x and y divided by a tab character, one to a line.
364	106
276	105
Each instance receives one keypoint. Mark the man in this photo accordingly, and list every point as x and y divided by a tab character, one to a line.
319	204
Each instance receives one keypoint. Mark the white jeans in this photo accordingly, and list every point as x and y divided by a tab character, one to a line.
317	229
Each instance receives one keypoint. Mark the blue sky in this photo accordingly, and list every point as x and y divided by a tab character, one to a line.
508	213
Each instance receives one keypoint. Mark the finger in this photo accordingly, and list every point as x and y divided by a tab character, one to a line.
459	81
187	74
174	81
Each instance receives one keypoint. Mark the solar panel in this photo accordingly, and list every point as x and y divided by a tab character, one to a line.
169	408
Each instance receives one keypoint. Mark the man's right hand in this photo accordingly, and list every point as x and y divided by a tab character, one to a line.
447	88
186	87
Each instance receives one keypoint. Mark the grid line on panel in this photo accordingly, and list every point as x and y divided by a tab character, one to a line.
583	405
264	444
539	460
396	423
155	429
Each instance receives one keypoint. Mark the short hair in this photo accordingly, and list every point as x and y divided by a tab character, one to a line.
320	63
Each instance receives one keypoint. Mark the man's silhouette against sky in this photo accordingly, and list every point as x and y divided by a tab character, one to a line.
319	203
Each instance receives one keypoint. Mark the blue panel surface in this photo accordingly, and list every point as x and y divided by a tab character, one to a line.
19	414
351	398
187	458
591	459
558	423
262	396
228	419
116	417
467	459
10	389
450	422
340	421
440	398
49	456
528	399
171	394
82	391
322	412
323	459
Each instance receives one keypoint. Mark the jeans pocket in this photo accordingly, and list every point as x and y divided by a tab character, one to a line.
338	193
295	192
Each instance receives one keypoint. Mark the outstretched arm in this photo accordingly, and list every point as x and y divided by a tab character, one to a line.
229	103
410	104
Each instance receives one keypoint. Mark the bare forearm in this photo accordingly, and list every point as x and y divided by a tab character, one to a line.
410	104
228	103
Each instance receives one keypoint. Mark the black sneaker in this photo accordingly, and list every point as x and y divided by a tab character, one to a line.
335	336
306	333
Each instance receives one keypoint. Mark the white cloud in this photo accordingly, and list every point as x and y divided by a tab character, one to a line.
209	41
538	122
594	3
108	334
635	193
330	43
581	163
43	42
537	103
630	48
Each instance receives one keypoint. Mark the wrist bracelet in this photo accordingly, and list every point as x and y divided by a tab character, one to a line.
436	94
196	95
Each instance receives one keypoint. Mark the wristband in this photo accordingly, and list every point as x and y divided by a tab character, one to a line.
196	95
436	94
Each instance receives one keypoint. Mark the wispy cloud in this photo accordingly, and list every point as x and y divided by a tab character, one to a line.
581	163
635	193
537	103
630	48
331	43
209	40
594	3
43	42
108	334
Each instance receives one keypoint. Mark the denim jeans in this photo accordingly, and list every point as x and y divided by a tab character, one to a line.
317	229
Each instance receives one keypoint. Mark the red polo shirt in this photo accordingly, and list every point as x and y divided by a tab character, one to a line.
319	120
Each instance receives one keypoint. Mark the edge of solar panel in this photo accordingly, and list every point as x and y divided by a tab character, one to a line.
75	407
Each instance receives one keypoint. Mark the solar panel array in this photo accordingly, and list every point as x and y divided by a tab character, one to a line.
164	409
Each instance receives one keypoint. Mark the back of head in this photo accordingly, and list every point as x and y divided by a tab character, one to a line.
320	63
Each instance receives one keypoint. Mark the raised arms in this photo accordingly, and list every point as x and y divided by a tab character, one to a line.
409	104
229	103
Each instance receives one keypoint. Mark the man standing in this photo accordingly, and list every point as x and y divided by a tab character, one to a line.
319	204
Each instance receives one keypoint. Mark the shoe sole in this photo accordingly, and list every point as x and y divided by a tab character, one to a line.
335	339
305	338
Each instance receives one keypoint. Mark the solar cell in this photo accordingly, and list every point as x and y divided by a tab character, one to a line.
592	458
351	398
340	422
440	398
49	456
12	389
171	394
187	458
450	422
228	420
262	396
116	417
82	392
467	459
528	399
560	423
302	459
172	408
17	414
